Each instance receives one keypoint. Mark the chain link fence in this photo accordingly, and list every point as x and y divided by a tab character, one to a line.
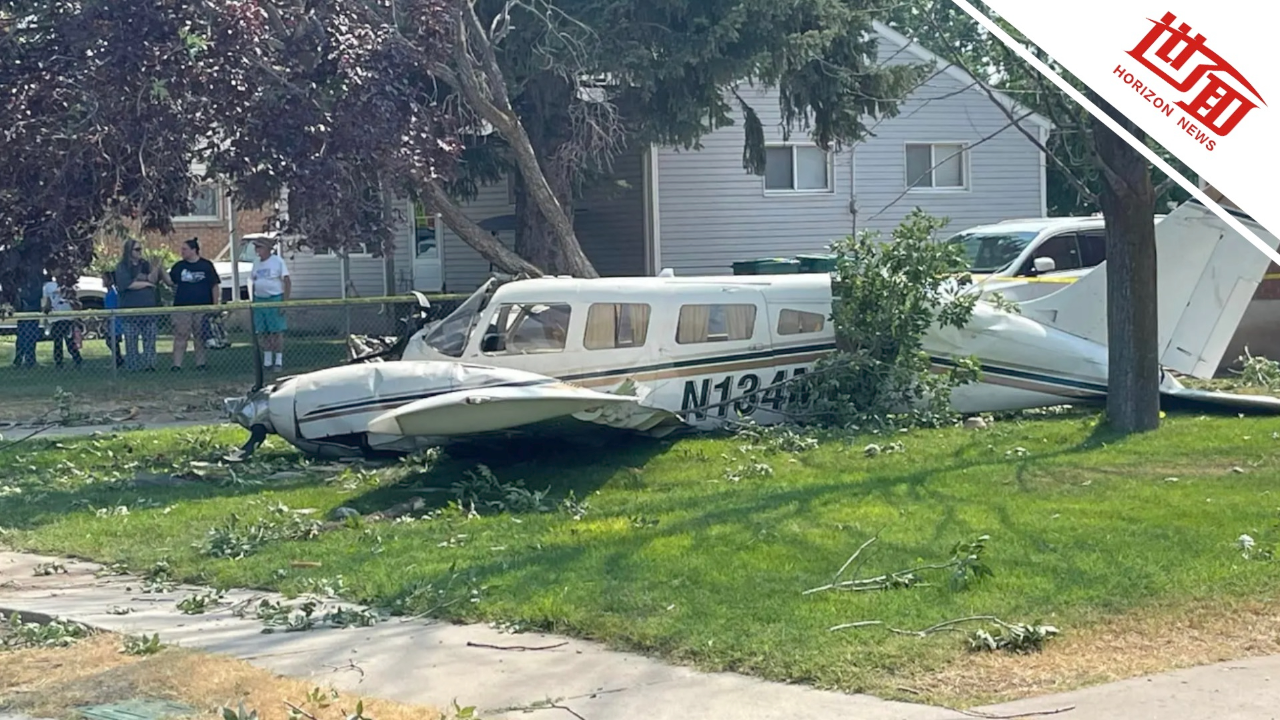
76	368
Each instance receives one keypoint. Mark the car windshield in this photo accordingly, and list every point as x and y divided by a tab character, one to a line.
450	336
992	251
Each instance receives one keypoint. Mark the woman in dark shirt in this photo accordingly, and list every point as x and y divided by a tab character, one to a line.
195	282
136	282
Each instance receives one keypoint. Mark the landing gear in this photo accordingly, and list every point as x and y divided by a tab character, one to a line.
257	436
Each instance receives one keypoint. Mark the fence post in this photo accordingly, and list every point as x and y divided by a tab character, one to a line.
114	347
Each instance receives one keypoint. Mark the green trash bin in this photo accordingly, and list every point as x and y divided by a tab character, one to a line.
766	266
823	263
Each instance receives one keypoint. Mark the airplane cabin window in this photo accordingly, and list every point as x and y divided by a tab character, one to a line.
799	322
616	325
519	329
715	323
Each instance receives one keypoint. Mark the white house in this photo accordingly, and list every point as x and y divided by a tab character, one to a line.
699	211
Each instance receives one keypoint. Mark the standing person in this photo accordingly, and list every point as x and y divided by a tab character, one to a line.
195	282
136	281
29	295
271	284
115	326
60	331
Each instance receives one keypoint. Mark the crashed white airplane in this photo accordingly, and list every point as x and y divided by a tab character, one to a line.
654	354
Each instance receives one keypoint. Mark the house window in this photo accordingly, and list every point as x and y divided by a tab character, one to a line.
520	329
937	166
715	323
616	325
206	202
799	322
797	168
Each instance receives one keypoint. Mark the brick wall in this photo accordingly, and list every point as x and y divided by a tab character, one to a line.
212	234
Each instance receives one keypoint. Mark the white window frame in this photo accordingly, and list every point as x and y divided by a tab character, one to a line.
831	180
218	200
966	173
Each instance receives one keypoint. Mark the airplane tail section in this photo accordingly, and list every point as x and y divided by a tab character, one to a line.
1207	275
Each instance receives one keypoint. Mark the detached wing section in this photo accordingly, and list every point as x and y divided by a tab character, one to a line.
491	409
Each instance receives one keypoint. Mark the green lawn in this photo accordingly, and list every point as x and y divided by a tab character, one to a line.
27	391
684	554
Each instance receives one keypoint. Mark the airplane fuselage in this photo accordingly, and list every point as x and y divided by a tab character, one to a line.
707	347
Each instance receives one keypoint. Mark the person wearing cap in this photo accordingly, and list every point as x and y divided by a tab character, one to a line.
195	282
271	284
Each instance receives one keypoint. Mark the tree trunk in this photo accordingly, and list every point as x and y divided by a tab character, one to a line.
1133	338
483	85
546	98
438	201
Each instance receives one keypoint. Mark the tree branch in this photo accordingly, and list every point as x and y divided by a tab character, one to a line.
471	233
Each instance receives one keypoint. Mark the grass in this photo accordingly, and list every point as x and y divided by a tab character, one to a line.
29	391
685	551
54	682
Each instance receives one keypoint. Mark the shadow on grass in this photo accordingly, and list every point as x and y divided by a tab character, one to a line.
550	564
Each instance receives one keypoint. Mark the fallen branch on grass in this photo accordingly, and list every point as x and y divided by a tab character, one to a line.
300	711
965	563
1014	637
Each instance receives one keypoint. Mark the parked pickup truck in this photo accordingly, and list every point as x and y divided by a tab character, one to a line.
1032	257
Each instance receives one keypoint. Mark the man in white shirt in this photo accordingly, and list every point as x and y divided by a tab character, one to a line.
271	284
60	331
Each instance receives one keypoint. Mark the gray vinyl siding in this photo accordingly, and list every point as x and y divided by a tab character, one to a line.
712	212
464	269
1004	173
320	276
608	220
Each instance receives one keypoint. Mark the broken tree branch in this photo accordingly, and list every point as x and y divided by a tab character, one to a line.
948	626
300	711
517	648
1014	716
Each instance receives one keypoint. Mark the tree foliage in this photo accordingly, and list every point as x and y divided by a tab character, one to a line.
591	79
886	296
107	105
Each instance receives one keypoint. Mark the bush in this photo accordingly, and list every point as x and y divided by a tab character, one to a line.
885	298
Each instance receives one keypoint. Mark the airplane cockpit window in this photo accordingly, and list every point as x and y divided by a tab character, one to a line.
799	322
616	325
519	329
715	323
451	335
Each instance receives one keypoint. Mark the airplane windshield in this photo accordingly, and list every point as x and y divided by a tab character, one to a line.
451	335
988	252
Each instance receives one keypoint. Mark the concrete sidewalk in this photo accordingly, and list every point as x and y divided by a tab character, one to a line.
434	664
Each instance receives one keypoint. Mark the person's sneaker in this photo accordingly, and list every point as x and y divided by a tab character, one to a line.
176	368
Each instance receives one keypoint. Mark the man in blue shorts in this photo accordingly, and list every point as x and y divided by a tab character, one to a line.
271	284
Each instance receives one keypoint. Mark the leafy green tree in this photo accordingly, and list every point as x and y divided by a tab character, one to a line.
1090	168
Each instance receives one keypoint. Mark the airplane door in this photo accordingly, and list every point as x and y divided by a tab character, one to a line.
717	351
